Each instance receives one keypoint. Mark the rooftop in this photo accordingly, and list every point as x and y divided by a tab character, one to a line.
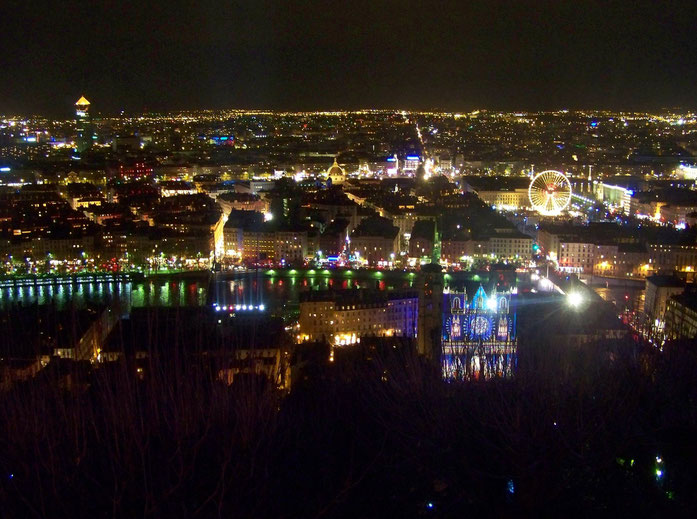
665	281
355	297
376	226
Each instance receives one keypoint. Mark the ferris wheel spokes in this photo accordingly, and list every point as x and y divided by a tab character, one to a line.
550	192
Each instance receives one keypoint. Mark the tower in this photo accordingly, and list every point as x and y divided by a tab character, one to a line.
82	124
82	108
430	312
436	250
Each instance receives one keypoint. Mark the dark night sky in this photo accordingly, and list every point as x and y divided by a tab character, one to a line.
288	54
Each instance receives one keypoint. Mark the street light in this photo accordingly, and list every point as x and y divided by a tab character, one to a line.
574	299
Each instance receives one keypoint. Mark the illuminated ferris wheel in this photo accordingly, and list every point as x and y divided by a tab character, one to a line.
550	192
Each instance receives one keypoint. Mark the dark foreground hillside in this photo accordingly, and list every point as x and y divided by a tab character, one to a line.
575	433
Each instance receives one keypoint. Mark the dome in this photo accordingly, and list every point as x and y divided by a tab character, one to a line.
335	170
336	173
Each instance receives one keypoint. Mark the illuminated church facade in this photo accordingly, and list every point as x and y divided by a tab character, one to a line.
479	334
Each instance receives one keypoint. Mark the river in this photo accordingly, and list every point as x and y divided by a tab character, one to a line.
276	291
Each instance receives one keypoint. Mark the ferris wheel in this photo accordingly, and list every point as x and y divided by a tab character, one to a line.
550	192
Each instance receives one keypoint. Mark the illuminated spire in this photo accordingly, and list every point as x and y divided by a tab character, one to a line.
82	102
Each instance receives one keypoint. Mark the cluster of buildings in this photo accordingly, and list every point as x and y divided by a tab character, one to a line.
94	338
467	336
56	225
611	250
343	317
374	232
367	223
338	185
670	308
369	188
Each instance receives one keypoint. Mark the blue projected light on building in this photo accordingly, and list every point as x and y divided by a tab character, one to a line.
479	334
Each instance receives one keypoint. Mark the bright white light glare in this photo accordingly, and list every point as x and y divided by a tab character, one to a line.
261	307
491	304
688	172
268	217
574	299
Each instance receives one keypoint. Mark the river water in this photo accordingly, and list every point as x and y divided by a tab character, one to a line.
277	291
148	293
626	298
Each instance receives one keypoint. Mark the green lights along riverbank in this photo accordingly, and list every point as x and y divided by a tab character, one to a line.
277	289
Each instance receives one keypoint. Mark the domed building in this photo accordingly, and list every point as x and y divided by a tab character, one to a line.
336	173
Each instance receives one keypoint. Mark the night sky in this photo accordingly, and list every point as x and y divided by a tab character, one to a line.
288	54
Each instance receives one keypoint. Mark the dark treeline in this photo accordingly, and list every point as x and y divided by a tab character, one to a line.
377	433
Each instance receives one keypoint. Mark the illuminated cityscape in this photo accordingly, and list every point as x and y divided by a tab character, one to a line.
455	233
488	307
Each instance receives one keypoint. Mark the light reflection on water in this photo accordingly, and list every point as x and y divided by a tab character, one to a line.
191	293
630	298
282	293
277	292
